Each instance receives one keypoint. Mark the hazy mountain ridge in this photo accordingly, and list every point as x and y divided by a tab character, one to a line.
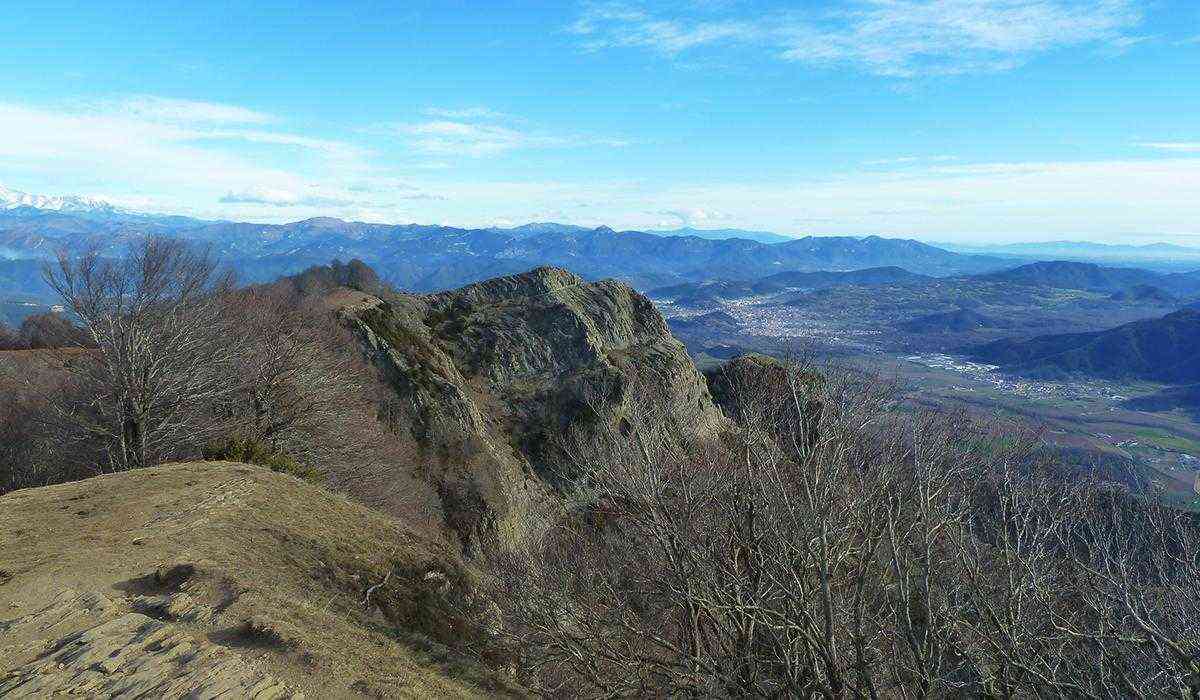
1092	277
1165	350
1061	247
1164	256
700	294
428	258
718	234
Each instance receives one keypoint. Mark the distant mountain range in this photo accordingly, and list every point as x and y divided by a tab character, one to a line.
426	258
1120	284
12	199
1157	255
699	294
712	234
1164	349
720	234
1094	278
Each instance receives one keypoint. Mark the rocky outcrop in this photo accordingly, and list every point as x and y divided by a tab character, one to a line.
489	378
125	654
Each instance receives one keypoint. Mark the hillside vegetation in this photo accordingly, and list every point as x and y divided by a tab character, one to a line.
1164	350
524	486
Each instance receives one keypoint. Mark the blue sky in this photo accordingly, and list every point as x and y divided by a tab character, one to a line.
952	120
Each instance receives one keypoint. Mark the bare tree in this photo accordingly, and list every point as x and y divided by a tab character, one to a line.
829	546
750	566
1135	585
162	348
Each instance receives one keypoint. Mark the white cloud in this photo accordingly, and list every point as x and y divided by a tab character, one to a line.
326	147
317	197
471	139
465	113
191	111
694	216
910	160
1124	43
154	155
667	36
898	38
1097	200
282	198
477	139
116	144
1177	146
98	132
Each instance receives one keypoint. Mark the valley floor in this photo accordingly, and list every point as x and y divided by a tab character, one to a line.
1088	417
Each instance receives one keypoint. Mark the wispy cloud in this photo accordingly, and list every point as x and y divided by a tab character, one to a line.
446	137
909	160
190	121
692	216
202	150
282	198
465	113
609	26
327	147
1176	146
190	111
897	38
483	137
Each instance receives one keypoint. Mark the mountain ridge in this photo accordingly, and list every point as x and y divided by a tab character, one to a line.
1164	349
14	199
428	258
1068	274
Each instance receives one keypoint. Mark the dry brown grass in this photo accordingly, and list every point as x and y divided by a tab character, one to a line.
271	567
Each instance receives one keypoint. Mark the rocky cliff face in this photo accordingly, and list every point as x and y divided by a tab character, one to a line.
490	377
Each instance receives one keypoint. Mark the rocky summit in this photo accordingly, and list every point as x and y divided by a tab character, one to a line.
488	379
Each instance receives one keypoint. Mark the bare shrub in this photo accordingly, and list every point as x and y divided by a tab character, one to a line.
51	330
32	449
300	382
831	546
9	340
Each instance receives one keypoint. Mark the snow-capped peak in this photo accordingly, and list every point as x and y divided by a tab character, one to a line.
12	199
